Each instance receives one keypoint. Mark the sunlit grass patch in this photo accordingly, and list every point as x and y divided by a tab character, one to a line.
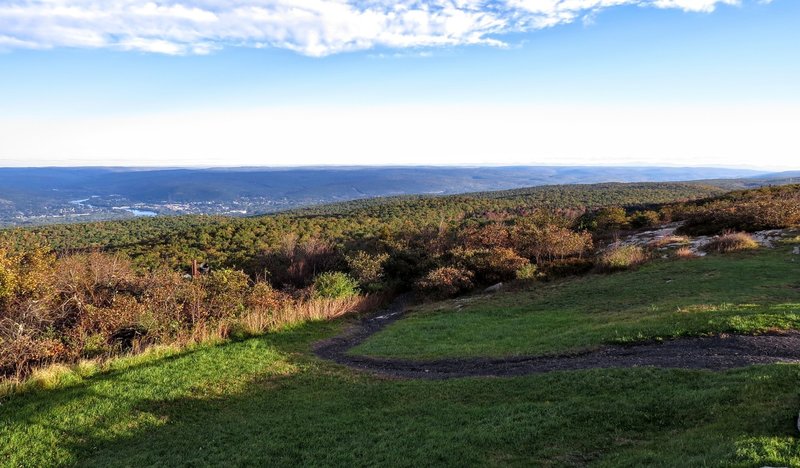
731	242
621	258
685	253
791	240
750	292
668	241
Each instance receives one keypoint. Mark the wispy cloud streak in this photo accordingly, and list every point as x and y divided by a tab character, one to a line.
309	27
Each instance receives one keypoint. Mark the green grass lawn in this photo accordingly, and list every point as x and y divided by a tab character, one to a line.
745	292
266	401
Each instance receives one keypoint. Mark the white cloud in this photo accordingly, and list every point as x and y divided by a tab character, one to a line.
310	27
693	5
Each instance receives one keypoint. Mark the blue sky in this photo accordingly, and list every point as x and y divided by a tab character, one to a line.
686	82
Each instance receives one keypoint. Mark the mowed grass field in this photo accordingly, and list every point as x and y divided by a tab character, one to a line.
268	401
745	292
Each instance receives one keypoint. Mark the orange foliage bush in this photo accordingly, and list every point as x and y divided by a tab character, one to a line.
97	305
446	282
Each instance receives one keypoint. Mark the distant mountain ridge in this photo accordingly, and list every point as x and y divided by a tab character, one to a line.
184	185
37	195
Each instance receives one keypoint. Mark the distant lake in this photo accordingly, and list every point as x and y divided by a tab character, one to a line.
141	212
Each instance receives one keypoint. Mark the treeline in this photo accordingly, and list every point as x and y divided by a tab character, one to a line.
765	208
745	210
223	241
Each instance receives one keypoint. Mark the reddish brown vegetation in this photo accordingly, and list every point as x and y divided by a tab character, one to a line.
97	305
446	282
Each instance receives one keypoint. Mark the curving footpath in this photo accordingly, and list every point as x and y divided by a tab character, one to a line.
714	353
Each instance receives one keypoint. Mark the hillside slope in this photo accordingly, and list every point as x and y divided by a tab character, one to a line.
269	401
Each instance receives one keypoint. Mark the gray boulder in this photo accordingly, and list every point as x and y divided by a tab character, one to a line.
494	288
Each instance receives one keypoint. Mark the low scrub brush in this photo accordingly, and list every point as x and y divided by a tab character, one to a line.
731	242
668	240
621	258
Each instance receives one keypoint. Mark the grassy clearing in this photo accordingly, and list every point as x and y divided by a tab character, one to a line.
266	401
743	292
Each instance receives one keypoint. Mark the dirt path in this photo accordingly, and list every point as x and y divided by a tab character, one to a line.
715	353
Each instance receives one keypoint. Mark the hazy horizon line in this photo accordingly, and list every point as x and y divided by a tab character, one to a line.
637	165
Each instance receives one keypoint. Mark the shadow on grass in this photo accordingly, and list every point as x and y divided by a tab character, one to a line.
324	415
267	401
620	418
39	426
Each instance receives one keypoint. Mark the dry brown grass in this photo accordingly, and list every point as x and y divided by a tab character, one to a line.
50	373
667	240
621	258
263	320
731	242
685	252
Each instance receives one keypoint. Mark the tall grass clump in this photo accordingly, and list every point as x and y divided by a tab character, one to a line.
685	252
731	242
623	257
267	309
668	240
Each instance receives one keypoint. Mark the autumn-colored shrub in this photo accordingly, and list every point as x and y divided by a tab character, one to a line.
296	262
490	265
547	243
367	268
263	297
491	235
24	274
612	218
526	272
96	305
224	290
446	282
748	211
644	219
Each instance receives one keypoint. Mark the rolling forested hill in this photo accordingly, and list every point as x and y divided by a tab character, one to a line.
226	240
35	196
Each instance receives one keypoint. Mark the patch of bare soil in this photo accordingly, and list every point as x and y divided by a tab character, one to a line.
713	353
